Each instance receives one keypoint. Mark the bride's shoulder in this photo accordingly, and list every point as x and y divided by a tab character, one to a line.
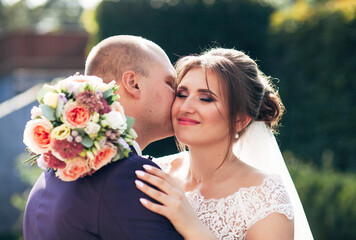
254	180
173	162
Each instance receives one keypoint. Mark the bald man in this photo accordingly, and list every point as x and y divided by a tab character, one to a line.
106	205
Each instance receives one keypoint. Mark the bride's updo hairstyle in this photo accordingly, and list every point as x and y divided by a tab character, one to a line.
247	89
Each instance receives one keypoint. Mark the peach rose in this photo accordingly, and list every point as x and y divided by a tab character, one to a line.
75	115
104	156
116	106
75	168
37	135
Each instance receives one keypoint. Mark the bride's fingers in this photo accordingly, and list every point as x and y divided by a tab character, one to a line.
153	193
157	208
159	173
158	182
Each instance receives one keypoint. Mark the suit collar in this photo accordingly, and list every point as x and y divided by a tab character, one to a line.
136	148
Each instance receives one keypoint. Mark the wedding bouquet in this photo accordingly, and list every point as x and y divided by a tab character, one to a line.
78	127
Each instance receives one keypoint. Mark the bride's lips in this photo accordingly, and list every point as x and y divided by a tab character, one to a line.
187	121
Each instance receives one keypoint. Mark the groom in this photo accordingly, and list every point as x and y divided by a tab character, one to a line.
106	205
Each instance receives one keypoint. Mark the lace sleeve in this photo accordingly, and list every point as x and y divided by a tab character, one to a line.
270	197
165	163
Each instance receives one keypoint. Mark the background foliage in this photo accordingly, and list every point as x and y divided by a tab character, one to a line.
314	57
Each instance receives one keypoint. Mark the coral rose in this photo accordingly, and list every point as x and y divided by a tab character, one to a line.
37	135
76	168
75	115
104	156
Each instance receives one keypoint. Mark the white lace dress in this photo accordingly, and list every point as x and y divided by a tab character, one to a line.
230	217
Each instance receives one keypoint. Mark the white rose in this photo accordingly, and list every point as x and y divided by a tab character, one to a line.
51	99
116	106
92	128
41	163
116	120
36	112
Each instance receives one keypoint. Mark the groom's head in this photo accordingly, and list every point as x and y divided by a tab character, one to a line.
146	79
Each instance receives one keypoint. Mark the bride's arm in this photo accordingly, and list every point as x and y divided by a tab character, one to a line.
274	226
175	205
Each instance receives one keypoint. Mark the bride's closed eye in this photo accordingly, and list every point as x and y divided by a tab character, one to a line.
206	98
181	94
203	98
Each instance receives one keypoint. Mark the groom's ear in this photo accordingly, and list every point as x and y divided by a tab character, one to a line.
130	81
242	120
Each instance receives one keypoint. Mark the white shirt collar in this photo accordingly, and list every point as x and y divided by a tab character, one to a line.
137	148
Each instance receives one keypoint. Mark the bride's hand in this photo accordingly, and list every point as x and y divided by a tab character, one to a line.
175	205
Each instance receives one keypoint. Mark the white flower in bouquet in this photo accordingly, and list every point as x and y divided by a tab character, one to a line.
92	128
116	121
36	112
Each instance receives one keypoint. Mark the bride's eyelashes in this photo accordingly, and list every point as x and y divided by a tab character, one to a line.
203	97
181	94
206	98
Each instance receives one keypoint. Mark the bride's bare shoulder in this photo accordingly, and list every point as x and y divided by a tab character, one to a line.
251	176
172	163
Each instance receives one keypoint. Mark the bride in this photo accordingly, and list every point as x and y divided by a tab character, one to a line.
233	183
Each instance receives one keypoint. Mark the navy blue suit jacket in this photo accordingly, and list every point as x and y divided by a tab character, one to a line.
103	206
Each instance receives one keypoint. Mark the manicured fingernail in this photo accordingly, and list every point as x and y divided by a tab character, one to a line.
140	173
139	183
143	201
147	167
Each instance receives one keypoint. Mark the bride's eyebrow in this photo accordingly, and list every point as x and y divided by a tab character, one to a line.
203	90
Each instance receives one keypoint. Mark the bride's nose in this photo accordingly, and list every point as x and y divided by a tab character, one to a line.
188	105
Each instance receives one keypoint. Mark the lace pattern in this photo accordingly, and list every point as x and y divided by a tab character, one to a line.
231	217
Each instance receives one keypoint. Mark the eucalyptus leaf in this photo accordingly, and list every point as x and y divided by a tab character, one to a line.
59	107
48	112
130	122
80	131
107	93
87	141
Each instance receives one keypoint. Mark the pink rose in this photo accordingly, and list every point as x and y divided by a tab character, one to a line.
75	115
104	156
37	135
76	168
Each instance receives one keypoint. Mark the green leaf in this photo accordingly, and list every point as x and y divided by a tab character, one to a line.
107	93
48	112
118	156
87	141
114	97
59	107
130	122
40	94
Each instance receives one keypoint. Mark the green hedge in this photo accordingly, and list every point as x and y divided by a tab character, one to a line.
328	199
189	25
315	62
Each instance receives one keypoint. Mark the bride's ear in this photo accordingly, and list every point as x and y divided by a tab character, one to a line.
130	81
242	121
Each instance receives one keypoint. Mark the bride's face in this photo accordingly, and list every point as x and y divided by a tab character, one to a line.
199	112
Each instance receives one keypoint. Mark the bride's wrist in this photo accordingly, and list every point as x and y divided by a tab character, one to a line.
200	232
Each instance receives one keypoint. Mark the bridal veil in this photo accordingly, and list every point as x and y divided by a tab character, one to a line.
258	148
